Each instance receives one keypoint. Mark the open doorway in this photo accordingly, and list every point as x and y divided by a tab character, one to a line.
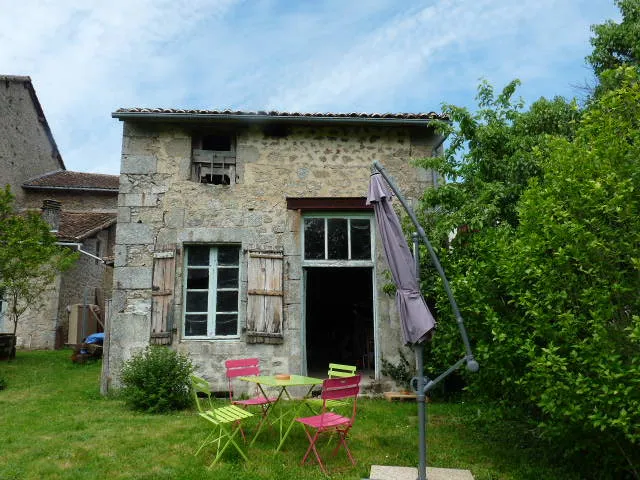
339	317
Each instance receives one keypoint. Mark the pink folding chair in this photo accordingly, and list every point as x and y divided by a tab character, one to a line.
328	422
247	367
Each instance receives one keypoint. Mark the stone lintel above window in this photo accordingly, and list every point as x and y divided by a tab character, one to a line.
328	203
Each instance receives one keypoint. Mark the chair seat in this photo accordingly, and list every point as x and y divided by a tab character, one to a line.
325	420
225	414
255	401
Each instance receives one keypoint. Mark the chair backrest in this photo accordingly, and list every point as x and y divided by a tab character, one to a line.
200	385
341	389
337	370
243	367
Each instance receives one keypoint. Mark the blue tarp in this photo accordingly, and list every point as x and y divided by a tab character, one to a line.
95	338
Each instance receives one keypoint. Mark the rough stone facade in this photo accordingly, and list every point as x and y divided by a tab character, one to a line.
27	148
160	205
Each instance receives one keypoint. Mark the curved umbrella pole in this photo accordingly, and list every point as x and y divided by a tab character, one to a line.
472	364
421	383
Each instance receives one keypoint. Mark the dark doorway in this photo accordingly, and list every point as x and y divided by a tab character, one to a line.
339	317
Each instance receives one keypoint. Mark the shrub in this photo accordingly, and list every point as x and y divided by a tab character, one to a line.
157	380
402	372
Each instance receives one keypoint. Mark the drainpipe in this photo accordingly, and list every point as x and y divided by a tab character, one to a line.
78	247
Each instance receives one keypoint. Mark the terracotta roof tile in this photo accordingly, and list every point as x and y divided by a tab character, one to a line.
275	113
73	181
75	226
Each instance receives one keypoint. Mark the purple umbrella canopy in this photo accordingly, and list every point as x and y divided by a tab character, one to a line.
416	319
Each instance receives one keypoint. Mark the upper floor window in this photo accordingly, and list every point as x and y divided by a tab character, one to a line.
211	291
331	237
214	159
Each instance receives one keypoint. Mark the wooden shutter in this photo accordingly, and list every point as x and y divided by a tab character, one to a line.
164	273
265	296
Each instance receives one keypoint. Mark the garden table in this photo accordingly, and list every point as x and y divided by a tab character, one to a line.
285	416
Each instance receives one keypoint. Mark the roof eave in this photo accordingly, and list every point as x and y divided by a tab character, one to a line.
76	189
250	119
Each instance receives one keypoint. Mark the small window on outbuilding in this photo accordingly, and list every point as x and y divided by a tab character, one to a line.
214	159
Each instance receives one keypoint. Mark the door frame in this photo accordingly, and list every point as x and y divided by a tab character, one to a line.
306	264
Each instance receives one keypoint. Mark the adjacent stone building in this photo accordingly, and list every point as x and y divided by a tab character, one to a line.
246	234
81	208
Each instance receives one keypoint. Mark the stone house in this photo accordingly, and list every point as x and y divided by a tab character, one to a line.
246	234
81	208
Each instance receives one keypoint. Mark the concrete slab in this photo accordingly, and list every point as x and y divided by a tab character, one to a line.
381	472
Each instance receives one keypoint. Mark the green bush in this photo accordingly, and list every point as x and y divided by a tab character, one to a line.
551	301
157	380
3	383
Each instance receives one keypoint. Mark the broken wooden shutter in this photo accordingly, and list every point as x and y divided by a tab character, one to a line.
265	297
164	272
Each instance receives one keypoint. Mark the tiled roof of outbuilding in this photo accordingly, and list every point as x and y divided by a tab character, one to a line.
67	180
76	226
274	115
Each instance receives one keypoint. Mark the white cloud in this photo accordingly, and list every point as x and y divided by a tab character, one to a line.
89	58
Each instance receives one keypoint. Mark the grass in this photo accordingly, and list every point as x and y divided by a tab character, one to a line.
54	424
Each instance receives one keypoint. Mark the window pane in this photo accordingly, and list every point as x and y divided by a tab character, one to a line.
195	325
228	255
227	301
198	278
227	278
197	301
198	256
227	324
360	239
314	238
338	240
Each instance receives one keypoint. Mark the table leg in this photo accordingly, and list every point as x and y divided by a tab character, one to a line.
265	418
296	409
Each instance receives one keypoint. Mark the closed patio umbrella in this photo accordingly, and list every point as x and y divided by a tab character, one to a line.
415	317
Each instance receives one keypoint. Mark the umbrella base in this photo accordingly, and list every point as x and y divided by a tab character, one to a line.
380	472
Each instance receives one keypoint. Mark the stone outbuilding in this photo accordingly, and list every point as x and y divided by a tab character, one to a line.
245	234
80	207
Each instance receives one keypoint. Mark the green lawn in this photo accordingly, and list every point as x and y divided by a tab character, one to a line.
54	424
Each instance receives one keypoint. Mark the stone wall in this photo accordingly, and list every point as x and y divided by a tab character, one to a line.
73	200
37	326
25	148
158	205
81	282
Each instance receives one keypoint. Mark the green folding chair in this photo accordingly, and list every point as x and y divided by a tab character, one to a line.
226	425
201	393
336	370
226	420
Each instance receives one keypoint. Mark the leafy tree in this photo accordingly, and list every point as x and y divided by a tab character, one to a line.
29	258
489	163
617	44
551	299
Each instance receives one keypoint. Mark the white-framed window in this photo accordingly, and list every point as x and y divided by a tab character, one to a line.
211	291
338	237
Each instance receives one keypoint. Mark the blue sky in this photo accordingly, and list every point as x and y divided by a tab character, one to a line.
87	59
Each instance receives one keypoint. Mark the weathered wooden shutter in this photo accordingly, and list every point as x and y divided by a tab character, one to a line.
164	273
265	297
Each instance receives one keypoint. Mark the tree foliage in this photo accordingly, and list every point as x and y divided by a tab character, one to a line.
30	259
617	44
550	296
